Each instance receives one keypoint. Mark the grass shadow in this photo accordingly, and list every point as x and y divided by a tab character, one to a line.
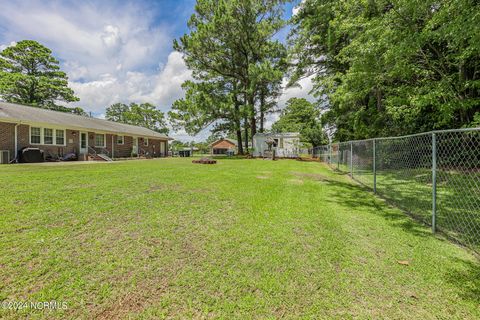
465	276
352	195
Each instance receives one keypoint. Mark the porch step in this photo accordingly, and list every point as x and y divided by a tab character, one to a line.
99	157
104	157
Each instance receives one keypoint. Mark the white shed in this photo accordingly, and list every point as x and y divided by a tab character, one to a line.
286	145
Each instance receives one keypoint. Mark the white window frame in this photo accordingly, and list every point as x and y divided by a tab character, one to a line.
145	142
42	136
104	140
123	140
30	135
63	137
52	136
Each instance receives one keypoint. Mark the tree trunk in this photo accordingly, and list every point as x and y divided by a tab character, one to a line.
246	133
253	122
262	109
238	128
378	93
239	139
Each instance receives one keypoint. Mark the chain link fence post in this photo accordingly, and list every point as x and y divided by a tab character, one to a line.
434	181
374	165
351	159
339	154
330	154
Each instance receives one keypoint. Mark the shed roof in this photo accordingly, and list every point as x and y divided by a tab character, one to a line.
223	139
26	114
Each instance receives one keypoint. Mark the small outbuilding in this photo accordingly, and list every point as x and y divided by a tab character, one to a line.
223	146
285	145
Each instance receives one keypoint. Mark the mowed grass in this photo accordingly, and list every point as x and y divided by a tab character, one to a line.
239	239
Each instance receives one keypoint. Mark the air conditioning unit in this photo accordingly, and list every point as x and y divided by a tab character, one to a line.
4	156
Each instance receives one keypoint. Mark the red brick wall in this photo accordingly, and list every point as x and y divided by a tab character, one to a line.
153	147
123	150
7	138
72	140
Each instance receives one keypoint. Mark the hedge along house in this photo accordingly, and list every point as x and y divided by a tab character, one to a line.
59	133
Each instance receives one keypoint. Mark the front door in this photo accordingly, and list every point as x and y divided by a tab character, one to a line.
83	142
135	146
162	149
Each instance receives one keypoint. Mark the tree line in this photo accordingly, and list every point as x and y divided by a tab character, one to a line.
383	67
378	68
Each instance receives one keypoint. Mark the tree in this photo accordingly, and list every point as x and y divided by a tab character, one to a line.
388	68
118	112
29	74
143	115
232	55
299	115
75	110
207	104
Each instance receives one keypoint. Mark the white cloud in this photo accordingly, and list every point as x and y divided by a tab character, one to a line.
297	8
161	89
5	46
110	53
302	90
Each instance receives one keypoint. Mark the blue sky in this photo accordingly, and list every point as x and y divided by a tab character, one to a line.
113	51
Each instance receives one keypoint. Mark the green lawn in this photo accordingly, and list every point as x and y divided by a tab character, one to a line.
458	197
240	239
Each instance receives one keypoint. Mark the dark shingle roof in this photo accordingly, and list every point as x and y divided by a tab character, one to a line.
27	114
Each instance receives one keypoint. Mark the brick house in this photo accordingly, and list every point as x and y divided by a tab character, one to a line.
221	146
59	133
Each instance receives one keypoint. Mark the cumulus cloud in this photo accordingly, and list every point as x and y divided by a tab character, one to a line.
302	90
111	52
100	47
297	8
161	89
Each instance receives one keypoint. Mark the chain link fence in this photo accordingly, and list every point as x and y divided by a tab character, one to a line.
434	176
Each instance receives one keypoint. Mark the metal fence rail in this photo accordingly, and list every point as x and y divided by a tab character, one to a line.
434	176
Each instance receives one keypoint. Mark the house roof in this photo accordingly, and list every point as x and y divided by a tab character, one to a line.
32	115
223	139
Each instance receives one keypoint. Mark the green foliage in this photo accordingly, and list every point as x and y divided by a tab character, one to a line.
236	64
388	67
204	104
143	115
301	116
29	74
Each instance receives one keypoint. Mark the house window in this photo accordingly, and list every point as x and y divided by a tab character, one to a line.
100	140
60	137
120	139
35	135
47	136
281	143
145	142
